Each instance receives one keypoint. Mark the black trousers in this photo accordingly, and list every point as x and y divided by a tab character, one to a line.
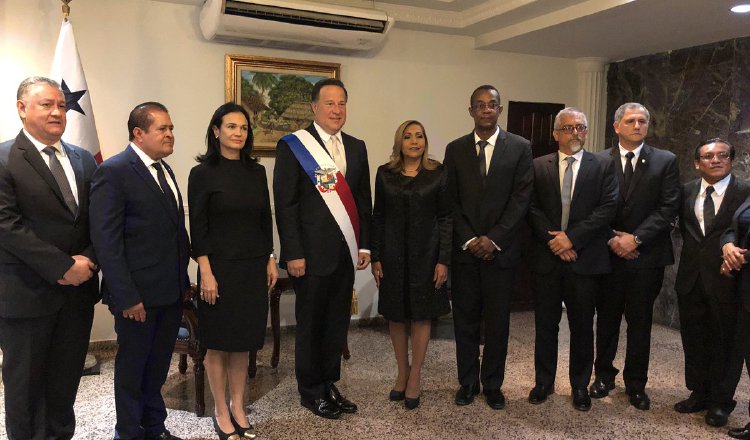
707	327
629	292
579	294
144	352
481	293
323	310
740	351
42	364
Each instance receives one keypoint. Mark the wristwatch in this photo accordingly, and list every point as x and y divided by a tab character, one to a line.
637	240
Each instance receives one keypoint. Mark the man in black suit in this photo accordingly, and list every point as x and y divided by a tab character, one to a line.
324	229
574	202
641	246
490	178
706	299
140	238
48	291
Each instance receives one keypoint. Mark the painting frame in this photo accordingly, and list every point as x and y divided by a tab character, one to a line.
272	120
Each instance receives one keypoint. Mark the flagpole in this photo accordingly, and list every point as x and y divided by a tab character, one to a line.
66	9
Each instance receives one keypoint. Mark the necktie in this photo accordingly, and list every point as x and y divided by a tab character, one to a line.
165	188
709	212
62	180
482	159
567	190
628	169
337	154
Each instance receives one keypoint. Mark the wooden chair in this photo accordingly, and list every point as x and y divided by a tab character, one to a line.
188	344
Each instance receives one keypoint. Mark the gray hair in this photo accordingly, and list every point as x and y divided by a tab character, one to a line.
28	83
631	106
569	111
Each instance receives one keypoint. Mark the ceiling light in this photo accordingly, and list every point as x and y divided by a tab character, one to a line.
741	9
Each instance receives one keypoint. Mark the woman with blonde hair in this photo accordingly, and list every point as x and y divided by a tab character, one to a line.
411	250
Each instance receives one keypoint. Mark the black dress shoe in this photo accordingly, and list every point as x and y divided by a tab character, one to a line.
539	393
639	399
245	433
601	388
693	404
581	400
717	415
166	435
322	408
345	405
495	399
395	396
222	435
741	433
410	403
465	394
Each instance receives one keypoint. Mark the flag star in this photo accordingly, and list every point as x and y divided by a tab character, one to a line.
72	98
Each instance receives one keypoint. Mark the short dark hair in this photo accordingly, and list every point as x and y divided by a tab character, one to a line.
213	147
26	84
486	87
714	140
315	95
140	116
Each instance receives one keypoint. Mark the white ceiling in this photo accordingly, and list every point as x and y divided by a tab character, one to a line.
611	29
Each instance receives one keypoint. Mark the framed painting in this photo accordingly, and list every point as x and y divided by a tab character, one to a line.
276	94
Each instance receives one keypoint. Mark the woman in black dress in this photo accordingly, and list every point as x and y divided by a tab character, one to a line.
232	239
411	249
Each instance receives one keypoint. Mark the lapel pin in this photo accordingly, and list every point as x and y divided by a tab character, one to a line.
643	160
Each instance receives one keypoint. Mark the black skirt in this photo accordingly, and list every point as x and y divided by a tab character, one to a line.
237	322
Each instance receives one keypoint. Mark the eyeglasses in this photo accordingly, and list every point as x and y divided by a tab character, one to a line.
570	128
482	106
710	156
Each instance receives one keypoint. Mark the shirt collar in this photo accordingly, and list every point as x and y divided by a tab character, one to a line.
562	156
41	145
325	137
143	156
492	139
636	152
719	187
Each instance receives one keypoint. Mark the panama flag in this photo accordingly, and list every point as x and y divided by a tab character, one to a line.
67	70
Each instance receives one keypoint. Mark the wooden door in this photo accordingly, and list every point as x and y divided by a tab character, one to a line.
534	121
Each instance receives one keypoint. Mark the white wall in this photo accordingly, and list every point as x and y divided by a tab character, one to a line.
143	50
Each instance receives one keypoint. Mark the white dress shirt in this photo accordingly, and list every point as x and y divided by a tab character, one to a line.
488	149
720	188
634	160
562	164
325	137
62	156
149	162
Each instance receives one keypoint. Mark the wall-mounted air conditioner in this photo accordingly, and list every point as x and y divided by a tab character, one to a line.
294	24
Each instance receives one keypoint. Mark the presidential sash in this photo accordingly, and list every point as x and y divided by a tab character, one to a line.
330	183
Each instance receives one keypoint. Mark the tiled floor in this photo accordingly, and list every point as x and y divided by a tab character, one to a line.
368	376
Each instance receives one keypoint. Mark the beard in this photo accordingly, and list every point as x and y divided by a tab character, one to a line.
575	146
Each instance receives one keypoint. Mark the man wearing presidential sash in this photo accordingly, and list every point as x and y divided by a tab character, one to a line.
323	207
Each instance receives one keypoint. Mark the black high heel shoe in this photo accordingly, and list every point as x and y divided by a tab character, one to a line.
223	435
411	403
395	396
245	433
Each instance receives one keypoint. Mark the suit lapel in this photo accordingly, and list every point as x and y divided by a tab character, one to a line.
691	221
552	168
497	153
77	164
140	168
619	171
34	158
583	170
730	196
644	160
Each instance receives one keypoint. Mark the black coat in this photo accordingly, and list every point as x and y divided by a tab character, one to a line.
412	228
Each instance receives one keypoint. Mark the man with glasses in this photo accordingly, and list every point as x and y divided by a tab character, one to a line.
707	302
641	246
574	202
490	178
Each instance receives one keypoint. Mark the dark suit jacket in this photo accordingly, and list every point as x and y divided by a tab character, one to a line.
701	254
306	226
732	235
38	233
497	208
592	209
649	208
142	247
